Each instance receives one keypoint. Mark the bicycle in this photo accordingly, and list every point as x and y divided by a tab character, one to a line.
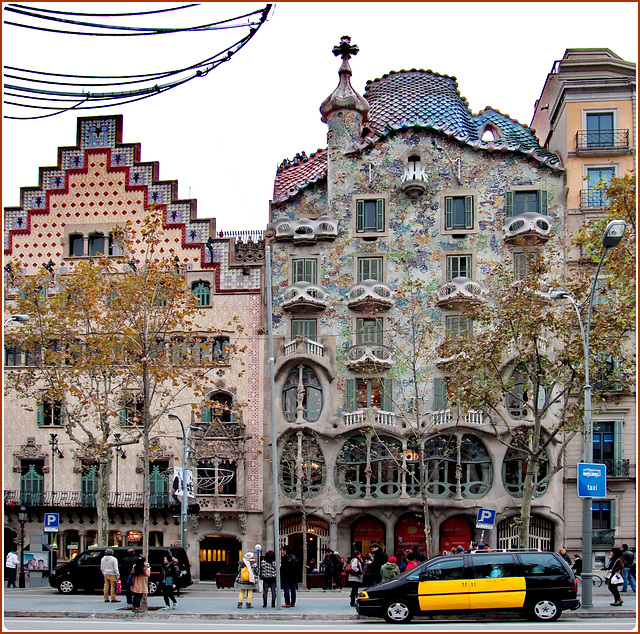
596	580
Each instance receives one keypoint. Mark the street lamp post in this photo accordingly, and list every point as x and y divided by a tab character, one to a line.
18	318
611	237
23	516
120	453
55	451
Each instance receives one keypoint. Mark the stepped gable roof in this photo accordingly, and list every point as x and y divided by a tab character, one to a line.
298	175
428	100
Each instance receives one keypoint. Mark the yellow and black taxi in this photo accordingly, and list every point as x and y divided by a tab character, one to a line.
537	584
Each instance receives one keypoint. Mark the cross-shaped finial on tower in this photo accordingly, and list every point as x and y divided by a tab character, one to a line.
345	48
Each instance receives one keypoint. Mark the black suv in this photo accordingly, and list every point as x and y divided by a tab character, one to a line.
83	571
537	584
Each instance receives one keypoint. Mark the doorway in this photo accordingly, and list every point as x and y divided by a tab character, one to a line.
219	554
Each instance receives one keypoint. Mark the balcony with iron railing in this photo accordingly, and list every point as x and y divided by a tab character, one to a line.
602	140
617	468
603	536
369	357
304	298
370	295
593	199
77	499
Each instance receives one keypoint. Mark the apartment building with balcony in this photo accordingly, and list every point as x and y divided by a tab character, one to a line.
412	185
587	114
98	184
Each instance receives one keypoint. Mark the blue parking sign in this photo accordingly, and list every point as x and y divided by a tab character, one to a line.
486	518
592	480
51	522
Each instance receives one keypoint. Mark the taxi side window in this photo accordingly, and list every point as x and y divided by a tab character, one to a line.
537	564
92	558
445	569
494	566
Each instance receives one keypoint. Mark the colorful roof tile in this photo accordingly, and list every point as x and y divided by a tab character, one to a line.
298	175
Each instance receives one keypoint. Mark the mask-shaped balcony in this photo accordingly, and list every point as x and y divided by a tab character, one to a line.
530	227
306	230
455	293
304	298
414	179
370	295
369	357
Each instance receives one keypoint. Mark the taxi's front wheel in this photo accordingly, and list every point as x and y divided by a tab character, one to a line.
398	611
545	610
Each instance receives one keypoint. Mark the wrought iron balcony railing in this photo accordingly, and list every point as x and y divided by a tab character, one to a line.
604	536
68	499
617	468
593	198
588	140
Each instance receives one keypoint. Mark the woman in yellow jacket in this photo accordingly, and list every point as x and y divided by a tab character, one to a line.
140	587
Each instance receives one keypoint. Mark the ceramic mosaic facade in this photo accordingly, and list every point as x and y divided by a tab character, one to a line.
98	184
395	159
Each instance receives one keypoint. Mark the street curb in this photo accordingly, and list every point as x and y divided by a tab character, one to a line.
260	616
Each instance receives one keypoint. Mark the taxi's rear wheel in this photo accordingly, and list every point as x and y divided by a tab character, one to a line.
545	610
398	611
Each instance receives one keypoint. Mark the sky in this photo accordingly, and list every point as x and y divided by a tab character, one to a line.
223	135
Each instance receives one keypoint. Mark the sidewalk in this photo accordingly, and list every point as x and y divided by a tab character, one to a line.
204	601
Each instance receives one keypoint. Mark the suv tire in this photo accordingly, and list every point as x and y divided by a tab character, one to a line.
67	586
544	610
398	611
153	588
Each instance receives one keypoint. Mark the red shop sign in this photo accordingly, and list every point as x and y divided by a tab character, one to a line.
368	530
410	533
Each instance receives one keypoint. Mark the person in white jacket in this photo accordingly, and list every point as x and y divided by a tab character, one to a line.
109	568
12	564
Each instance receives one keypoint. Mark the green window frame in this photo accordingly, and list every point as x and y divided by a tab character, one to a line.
50	414
307	328
304	270
440	395
202	291
458	212
303	474
370	269
521	201
32	483
312	399
369	330
89	484
521	265
370	216
458	327
459	266
369	393
158	485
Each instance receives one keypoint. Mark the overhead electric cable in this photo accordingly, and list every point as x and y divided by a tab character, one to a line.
102	15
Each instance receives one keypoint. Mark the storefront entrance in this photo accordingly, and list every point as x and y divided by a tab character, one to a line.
219	554
456	531
410	533
366	530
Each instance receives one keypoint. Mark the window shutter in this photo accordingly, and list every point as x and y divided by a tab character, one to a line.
543	204
350	400
122	416
448	212
205	415
387	395
376	269
618	445
40	414
439	394
380	214
64	418
360	215
508	199
612	513
468	211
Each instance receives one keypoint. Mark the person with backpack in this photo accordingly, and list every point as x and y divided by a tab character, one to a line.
247	579
629	579
354	571
170	574
337	569
268	575
290	567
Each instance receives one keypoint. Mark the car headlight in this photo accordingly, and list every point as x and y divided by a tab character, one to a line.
362	595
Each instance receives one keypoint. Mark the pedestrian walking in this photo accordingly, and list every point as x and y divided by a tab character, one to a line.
628	578
126	568
170	574
614	576
140	586
577	565
247	579
378	559
326	567
389	570
111	574
354	571
290	568
268	575
337	569
11	565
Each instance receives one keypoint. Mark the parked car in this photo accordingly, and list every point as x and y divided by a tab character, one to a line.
538	584
83	571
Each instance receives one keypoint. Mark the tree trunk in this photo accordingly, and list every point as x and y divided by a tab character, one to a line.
102	513
145	455
527	497
304	550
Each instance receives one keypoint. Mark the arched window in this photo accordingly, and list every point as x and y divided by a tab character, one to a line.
302	391
351	478
386	467
302	468
97	244
158	484
221	410
202	290
76	245
220	350
519	394
514	470
455	464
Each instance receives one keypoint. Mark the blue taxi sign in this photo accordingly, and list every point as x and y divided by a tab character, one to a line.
592	480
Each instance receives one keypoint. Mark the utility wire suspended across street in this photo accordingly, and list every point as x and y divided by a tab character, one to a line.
86	98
